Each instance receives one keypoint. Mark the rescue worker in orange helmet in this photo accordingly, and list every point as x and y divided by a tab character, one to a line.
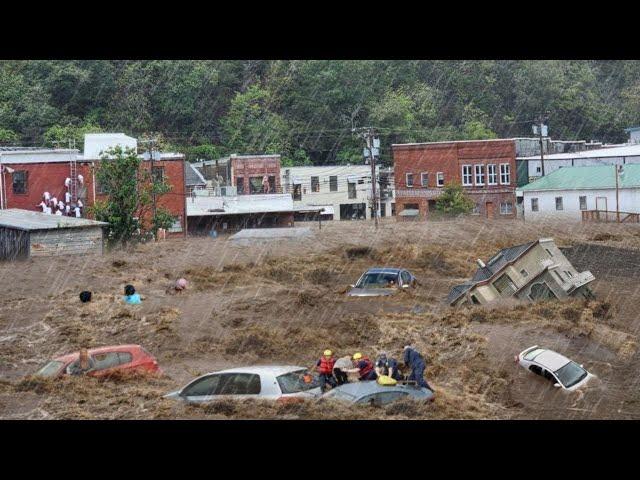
324	366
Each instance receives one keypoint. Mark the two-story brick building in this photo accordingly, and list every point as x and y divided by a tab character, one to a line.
26	174
485	169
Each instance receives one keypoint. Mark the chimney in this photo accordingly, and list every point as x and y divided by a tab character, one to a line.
480	263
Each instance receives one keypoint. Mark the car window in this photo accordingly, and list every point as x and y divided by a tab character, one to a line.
50	369
377	280
536	369
106	360
571	374
549	376
533	353
406	278
202	387
298	381
239	384
124	357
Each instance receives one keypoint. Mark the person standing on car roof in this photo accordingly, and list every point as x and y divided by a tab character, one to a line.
388	366
416	363
324	366
364	367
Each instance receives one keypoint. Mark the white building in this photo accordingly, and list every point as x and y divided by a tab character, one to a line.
567	192
634	135
344	190
619	155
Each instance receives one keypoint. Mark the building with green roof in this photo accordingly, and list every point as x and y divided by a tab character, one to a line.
565	193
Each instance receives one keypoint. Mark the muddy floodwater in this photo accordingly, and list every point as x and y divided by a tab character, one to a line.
284	302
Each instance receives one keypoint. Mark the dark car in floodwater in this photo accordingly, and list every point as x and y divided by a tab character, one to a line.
382	282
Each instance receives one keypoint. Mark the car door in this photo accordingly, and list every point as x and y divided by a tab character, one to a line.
202	389
239	385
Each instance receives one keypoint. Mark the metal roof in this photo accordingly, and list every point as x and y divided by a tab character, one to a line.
28	220
588	177
622	151
193	176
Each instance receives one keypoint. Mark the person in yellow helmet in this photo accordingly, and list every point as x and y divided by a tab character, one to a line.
324	366
364	367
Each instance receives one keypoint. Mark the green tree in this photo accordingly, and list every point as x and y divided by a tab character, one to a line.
60	135
453	200
8	137
129	189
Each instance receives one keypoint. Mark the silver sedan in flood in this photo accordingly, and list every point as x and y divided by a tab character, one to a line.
382	282
264	382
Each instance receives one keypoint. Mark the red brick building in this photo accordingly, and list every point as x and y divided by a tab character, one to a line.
485	168
247	173
27	173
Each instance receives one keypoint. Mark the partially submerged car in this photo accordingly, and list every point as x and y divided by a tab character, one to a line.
372	393
269	382
381	282
107	360
564	373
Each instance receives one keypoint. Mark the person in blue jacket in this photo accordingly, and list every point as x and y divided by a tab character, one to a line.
386	365
130	295
416	363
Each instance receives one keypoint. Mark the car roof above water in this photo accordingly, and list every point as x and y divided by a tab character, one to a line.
360	389
274	370
551	360
384	270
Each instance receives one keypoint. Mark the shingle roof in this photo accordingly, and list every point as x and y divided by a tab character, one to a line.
584	178
194	177
493	266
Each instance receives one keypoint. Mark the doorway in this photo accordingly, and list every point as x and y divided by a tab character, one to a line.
601	204
489	208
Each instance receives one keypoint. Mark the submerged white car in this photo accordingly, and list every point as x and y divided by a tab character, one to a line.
265	382
564	373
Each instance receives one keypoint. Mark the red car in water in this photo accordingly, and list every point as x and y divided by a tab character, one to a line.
106	360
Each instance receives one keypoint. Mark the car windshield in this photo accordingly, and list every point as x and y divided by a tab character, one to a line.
298	381
50	369
570	374
378	280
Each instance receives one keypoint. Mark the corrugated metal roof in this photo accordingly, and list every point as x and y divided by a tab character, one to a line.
588	177
28	220
623	151
194	177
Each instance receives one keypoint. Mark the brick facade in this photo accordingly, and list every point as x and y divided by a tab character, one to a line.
50	177
445	160
248	166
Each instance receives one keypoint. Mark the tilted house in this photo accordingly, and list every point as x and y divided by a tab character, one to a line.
532	271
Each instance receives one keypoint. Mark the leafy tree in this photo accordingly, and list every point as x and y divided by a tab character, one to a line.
8	137
60	135
453	200
130	190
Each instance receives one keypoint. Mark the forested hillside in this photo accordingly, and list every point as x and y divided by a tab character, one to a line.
305	110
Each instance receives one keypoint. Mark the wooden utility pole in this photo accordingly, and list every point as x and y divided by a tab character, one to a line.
150	150
617	195
541	120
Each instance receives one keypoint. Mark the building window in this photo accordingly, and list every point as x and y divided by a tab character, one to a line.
534	204
240	185
424	179
333	183
440	178
505	286
272	184
393	209
315	184
492	175
177	224
479	174
583	203
467	176
352	190
297	191
538	169
20	182
505	173
524	273
157	174
409	177
559	203
506	208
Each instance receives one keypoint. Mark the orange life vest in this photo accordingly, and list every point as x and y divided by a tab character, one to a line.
326	365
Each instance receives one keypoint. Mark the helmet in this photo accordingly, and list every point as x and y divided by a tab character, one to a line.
328	353
357	356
